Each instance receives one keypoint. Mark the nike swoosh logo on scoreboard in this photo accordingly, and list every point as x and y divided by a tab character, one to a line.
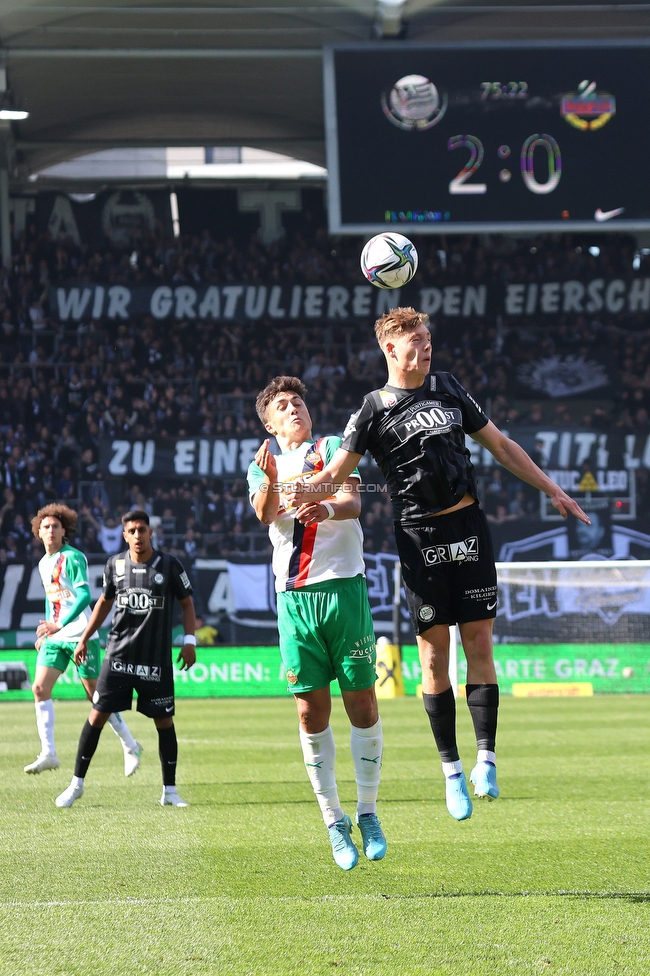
601	215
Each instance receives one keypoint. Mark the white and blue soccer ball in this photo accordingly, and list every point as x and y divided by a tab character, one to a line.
389	260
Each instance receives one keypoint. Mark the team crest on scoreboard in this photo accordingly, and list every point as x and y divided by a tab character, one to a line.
588	109
414	103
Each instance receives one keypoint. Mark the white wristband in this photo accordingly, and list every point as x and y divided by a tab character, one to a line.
330	510
189	639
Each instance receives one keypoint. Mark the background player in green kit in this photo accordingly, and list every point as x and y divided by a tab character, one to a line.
324	618
64	571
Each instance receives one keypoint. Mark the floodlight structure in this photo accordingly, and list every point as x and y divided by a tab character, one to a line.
389	18
13	115
8	113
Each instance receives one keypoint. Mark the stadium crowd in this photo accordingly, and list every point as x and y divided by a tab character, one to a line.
64	387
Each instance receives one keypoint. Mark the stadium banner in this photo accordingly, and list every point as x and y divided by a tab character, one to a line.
567	454
245	301
120	216
249	301
252	672
235	598
237	594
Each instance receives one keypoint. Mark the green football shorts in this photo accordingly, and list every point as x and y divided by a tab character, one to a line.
326	632
58	654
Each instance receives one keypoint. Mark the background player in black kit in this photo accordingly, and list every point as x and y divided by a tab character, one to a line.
415	429
143	584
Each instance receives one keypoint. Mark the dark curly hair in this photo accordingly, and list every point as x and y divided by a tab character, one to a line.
66	516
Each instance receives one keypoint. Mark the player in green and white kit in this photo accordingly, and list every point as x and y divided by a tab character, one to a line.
64	571
324	620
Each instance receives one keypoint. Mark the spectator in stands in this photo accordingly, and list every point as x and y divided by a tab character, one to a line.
108	528
11	548
64	386
19	533
89	541
66	487
7	511
192	545
517	507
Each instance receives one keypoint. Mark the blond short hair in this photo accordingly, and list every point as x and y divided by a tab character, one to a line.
399	321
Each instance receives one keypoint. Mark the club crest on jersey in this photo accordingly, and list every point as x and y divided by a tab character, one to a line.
387	398
120	565
292	677
426	612
313	461
455	552
159	578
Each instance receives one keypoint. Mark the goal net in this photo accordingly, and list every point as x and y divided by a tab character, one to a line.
584	623
592	601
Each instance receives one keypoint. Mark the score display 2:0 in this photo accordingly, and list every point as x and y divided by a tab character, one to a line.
459	184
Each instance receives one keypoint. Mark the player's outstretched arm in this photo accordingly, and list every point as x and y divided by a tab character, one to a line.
266	500
188	651
326	482
513	457
98	616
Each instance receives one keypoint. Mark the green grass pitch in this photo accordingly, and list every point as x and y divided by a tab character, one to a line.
552	878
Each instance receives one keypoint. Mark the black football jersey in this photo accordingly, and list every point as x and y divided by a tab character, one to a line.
417	437
143	595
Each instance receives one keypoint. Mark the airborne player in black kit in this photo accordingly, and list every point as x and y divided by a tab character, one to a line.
415	428
143	584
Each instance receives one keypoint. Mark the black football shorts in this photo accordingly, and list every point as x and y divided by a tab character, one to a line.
448	568
117	681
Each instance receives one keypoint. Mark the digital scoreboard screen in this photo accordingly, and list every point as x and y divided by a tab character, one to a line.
479	137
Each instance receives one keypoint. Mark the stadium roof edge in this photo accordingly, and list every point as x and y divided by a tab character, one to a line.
98	77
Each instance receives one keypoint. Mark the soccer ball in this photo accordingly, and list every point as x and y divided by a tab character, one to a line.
389	260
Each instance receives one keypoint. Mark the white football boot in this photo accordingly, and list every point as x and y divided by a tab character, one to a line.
67	798
170	798
43	762
132	759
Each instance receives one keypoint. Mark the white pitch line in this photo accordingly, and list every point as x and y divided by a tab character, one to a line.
228	899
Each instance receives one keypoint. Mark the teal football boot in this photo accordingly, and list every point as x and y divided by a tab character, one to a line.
484	778
457	797
345	853
374	842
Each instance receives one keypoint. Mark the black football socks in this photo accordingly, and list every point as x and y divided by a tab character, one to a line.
441	710
168	752
87	745
483	704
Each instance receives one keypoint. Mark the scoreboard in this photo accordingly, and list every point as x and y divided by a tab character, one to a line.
450	138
